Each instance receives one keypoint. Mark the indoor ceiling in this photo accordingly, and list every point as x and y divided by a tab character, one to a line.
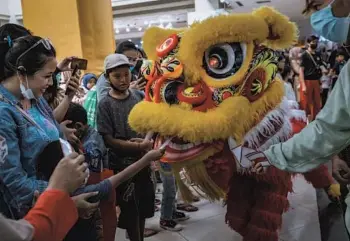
132	17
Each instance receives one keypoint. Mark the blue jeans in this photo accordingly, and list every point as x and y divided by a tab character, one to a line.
169	197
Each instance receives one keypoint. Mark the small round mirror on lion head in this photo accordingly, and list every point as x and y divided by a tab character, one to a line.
223	60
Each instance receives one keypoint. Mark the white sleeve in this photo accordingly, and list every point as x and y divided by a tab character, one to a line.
13	230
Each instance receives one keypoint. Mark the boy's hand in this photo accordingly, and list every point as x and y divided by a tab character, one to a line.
85	209
146	145
69	174
154	155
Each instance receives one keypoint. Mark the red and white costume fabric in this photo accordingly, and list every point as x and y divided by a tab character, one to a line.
255	203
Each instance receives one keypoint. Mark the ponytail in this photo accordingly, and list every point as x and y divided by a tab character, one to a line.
4	48
8	34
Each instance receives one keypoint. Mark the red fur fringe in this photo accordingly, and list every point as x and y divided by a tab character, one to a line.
272	202
266	220
237	224
257	234
276	177
319	177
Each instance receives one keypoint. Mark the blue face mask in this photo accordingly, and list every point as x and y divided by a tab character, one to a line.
132	68
330	27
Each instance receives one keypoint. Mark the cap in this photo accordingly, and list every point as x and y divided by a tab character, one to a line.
115	60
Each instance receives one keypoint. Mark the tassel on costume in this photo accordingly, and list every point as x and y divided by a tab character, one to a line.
198	174
186	193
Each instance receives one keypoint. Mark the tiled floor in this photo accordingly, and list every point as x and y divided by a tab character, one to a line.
300	223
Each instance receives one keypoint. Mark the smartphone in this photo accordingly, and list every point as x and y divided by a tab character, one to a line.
79	63
137	69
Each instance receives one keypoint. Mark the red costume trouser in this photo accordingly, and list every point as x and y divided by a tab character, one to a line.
311	102
255	204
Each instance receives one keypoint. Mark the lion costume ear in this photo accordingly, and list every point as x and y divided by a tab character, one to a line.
155	36
282	32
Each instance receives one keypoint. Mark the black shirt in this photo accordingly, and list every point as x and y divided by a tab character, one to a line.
312	70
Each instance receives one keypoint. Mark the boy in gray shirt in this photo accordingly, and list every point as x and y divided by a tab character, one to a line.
136	196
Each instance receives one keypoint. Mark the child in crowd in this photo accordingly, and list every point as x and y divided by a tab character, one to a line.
135	197
339	64
92	145
89	81
90	103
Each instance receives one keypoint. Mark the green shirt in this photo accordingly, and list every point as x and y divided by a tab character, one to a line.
321	139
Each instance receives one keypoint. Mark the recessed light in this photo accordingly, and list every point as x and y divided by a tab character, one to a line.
140	29
127	30
130	40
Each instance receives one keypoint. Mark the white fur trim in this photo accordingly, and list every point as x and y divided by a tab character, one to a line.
299	115
268	129
292	104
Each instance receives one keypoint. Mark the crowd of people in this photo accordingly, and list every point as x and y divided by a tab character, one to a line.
103	173
43	105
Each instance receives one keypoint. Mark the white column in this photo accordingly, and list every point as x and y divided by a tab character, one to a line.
15	10
205	5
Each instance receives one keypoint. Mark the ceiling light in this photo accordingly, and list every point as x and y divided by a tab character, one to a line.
140	29
117	31
130	40
136	45
141	42
127	30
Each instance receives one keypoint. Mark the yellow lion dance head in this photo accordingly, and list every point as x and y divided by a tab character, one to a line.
211	84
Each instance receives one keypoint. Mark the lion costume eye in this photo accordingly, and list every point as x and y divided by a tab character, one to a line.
224	60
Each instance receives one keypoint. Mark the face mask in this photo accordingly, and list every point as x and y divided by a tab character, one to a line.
313	46
132	68
330	27
27	92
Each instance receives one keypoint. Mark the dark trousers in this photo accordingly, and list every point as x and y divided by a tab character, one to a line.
324	96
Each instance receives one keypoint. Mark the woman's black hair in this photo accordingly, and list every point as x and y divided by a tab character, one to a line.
30	62
13	31
125	46
142	52
8	33
286	71
310	6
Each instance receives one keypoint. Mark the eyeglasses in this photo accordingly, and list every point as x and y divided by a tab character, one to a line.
45	42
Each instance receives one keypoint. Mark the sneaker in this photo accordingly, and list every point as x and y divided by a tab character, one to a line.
170	225
180	216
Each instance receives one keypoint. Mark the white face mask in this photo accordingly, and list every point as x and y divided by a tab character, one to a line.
27	92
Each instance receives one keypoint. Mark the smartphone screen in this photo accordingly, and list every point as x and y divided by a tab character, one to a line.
79	64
